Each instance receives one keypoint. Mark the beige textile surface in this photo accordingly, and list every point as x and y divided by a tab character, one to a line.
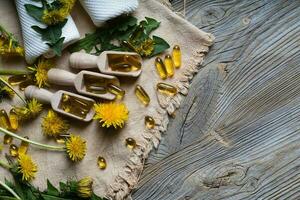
123	165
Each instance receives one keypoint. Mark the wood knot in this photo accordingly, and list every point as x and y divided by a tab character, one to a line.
246	20
225	176
208	15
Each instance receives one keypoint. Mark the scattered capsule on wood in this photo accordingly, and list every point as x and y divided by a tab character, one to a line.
176	56
142	95
166	89
169	65
161	68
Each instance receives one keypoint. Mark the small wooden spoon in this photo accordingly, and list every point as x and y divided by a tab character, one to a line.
55	99
66	78
81	60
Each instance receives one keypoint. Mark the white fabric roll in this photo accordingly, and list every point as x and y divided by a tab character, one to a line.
33	44
103	10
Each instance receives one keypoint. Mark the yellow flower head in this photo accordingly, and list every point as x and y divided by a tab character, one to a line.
34	107
27	168
6	90
111	114
85	187
76	147
55	16
31	110
54	125
9	46
42	68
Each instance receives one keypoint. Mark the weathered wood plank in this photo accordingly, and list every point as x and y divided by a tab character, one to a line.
236	135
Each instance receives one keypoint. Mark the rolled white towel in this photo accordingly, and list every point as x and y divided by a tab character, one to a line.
103	10
33	44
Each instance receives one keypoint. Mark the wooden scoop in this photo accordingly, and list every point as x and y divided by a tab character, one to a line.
80	60
59	102
80	80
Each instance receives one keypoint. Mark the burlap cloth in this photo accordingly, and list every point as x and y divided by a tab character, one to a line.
123	165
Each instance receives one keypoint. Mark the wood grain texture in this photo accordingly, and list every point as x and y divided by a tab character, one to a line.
237	134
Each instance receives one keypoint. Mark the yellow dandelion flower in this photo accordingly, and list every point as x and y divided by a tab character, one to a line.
111	114
42	68
9	46
19	51
27	168
54	125
31	110
76	147
2	41
5	90
34	107
8	91
55	16
85	187
68	4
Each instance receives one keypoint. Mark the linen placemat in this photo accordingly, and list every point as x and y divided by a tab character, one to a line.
124	166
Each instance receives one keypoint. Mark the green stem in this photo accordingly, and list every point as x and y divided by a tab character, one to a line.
10	190
8	85
4	165
37	144
8	72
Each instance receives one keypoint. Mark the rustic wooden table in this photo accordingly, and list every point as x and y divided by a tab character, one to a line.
237	134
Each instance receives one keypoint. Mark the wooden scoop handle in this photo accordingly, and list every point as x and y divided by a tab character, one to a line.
80	60
61	77
42	95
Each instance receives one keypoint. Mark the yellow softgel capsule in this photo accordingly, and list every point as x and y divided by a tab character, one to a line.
60	140
130	143
166	89
101	162
169	65
23	147
160	67
119	92
96	89
25	84
13	150
176	56
149	122
4	120
17	79
142	95
7	139
124	62
13	119
75	105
